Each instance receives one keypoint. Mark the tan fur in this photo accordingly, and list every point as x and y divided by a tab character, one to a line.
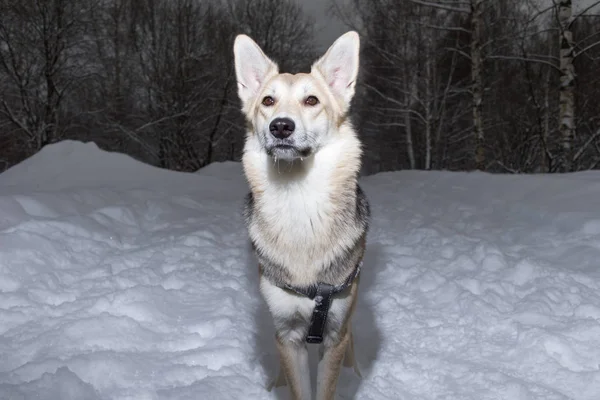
350	357
255	180
290	370
343	180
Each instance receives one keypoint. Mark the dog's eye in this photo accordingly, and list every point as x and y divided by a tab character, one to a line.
311	101
268	101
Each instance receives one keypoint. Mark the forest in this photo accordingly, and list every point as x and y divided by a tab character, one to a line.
504	86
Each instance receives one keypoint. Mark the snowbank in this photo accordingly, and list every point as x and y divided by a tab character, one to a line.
123	281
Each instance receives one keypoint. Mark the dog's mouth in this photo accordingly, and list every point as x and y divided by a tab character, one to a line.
284	147
288	152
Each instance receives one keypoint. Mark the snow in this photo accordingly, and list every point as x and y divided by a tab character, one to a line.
123	281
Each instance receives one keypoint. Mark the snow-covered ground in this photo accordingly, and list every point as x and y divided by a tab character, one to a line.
123	281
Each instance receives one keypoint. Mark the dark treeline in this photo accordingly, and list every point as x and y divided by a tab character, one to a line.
150	78
496	85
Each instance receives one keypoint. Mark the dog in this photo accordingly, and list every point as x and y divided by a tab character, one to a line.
306	215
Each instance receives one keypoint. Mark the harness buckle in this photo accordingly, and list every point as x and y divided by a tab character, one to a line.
322	293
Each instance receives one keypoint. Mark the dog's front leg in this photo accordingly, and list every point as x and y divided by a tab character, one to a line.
329	366
294	364
350	357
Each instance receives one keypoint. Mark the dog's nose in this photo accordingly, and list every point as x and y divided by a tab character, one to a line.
282	127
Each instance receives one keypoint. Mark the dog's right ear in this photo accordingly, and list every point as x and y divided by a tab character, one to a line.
252	68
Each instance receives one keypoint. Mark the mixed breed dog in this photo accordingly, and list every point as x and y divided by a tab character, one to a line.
306	215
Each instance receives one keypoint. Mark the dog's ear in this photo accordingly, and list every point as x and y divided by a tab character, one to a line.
339	66
252	67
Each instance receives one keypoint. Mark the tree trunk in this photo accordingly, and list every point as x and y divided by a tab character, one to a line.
546	160
409	141
408	125
213	132
428	103
477	81
567	85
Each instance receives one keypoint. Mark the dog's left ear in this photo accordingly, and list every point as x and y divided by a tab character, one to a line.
339	66
252	68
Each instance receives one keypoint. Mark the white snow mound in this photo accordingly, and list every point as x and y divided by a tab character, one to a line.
123	281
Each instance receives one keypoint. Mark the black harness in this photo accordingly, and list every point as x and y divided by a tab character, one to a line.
322	294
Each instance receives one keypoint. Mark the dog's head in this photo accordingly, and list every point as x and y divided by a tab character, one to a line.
293	116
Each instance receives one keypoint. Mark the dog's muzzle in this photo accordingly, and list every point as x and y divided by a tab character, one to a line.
284	142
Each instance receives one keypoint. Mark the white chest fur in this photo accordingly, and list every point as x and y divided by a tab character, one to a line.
294	213
295	224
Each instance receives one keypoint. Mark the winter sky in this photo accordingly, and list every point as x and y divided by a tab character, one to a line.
328	27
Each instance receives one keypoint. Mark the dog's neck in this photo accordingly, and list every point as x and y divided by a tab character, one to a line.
302	207
290	172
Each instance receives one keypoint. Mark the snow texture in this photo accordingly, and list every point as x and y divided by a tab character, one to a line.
123	281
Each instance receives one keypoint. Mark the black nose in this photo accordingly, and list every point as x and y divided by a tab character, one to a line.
282	127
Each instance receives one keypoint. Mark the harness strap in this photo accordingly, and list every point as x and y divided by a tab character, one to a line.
322	293
319	315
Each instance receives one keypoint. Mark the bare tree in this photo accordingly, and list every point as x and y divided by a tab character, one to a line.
186	106
420	43
495	85
476	14
567	81
280	27
568	53
560	27
492	58
40	46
